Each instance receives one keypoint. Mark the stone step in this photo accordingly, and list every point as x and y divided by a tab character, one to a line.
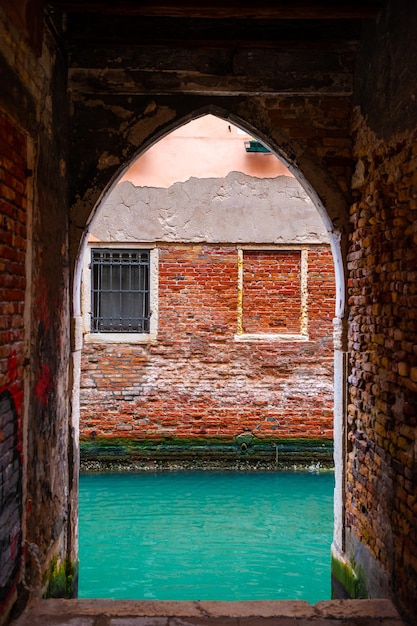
259	613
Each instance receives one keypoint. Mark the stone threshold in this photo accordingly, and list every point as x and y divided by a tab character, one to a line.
57	612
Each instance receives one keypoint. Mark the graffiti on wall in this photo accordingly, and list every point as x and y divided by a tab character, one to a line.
10	495
13	236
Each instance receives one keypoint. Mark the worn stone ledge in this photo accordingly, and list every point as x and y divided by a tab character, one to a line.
200	465
109	453
151	613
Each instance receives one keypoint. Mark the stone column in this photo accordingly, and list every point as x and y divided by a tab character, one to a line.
340	451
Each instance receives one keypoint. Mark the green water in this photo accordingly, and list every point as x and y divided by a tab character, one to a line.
206	536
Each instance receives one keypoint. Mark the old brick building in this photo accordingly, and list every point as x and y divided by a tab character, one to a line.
238	335
85	88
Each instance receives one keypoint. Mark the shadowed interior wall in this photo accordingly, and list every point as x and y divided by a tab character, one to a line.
13	238
382	419
36	460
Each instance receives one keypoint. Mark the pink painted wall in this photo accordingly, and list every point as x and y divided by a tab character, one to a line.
207	147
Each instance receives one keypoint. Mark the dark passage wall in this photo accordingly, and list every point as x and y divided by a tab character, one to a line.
382	261
35	438
13	242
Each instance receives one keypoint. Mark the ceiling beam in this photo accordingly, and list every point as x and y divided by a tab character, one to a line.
118	82
252	71
236	9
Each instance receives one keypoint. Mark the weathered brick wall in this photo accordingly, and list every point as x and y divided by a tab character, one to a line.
34	316
13	203
271	291
382	496
382	412
320	297
197	381
321	124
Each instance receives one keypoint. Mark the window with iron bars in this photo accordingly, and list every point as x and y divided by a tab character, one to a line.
120	290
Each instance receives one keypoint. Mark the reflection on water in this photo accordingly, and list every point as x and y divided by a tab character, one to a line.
206	536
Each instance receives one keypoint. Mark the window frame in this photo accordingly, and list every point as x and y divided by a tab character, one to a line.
86	303
240	335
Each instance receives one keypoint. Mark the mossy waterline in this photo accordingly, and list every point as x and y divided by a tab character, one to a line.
348	579
279	452
62	578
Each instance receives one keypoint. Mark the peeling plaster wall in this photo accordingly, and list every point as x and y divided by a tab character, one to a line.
239	209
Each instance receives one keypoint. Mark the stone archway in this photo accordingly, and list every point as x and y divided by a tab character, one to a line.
320	184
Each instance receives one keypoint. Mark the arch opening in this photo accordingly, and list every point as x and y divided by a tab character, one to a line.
336	238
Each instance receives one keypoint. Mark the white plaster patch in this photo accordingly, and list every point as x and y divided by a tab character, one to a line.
238	208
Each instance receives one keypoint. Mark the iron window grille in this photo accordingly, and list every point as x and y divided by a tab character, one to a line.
120	290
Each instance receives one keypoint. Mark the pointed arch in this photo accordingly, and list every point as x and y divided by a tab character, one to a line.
158	119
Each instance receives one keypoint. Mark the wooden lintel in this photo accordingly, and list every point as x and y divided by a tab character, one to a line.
142	82
266	9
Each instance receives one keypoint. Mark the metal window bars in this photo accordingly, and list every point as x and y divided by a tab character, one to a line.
120	290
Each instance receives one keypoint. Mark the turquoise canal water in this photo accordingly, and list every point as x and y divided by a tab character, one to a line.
206	536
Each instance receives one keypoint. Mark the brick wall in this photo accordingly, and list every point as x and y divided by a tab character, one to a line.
197	381
33	170
382	497
322	124
12	296
271	291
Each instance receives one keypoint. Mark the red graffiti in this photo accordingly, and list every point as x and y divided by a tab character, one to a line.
14	546
43	386
12	367
12	385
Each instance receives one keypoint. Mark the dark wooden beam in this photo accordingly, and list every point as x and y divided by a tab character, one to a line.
265	9
253	71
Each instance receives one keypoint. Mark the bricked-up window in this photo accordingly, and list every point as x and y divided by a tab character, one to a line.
120	290
273	293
